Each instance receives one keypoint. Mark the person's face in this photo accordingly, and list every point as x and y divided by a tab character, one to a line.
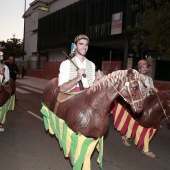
1	53
81	47
144	69
11	60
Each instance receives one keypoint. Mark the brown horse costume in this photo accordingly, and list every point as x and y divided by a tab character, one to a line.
6	91
87	112
143	126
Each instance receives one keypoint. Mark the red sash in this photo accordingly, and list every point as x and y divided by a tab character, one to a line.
78	89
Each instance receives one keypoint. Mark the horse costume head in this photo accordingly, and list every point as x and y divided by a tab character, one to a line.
126	84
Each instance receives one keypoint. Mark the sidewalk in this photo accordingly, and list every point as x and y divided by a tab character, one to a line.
33	82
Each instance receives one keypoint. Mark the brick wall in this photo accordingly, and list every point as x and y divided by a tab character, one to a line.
108	67
51	70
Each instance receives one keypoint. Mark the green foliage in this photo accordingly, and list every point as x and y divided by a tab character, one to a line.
12	47
152	29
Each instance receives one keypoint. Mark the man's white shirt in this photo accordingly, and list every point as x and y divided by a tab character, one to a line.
65	72
6	74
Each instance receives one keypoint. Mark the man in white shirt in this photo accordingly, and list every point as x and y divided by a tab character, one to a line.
69	77
143	68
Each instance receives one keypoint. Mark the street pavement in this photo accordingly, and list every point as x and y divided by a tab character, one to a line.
38	83
27	146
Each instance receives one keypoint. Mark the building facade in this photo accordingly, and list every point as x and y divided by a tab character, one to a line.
51	25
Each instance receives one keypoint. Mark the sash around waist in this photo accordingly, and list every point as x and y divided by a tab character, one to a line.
78	89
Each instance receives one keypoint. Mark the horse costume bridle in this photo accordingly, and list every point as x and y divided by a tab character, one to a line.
126	85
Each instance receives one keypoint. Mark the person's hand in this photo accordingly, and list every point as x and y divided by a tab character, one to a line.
150	91
80	73
2	71
147	90
156	90
99	75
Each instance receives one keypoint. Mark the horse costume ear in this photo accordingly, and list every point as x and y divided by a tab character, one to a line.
130	73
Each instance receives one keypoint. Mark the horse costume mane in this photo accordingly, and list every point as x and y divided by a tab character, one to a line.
114	77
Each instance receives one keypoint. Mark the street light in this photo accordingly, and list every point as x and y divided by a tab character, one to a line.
23	69
24	31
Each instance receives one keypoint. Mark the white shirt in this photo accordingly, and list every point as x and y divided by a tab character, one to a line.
6	74
1	77
148	82
65	72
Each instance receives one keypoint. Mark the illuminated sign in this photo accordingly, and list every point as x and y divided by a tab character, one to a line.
116	26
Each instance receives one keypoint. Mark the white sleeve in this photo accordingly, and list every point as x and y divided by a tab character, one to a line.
64	71
6	74
149	82
1	77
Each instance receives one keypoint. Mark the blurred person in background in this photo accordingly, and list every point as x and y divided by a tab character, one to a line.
13	69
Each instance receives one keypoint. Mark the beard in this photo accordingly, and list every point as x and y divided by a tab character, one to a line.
145	72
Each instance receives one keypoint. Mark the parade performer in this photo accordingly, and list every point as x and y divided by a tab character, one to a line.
143	68
69	78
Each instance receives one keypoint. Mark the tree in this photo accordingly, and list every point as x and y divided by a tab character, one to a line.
12	47
151	32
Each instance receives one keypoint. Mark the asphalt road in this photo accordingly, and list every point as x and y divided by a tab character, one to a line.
25	145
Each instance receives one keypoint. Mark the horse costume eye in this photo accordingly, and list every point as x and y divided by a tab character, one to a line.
134	88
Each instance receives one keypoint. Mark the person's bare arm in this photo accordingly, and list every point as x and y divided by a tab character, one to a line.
68	85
